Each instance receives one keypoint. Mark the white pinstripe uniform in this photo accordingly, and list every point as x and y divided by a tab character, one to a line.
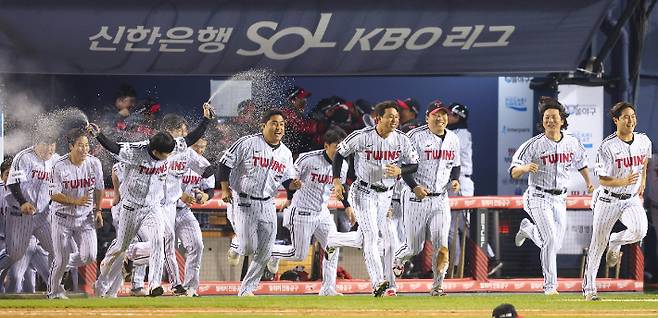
188	229
70	222
545	198
141	196
257	170
371	155
308	214
616	159
33	174
430	217
466	189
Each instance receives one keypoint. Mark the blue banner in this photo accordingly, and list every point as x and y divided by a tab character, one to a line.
296	37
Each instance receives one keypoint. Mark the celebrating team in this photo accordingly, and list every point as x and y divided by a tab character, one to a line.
57	199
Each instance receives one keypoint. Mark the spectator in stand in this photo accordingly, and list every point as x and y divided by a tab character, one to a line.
408	113
366	113
120	123
301	129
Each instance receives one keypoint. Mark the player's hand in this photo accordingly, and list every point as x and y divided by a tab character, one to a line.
640	191
420	192
227	196
338	189
349	212
392	170
531	167
296	184
590	188
454	185
99	219
28	209
631	179
201	197
82	201
115	200
187	199
207	111
93	129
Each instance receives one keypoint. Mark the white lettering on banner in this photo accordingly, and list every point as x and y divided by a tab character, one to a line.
143	39
212	40
267	45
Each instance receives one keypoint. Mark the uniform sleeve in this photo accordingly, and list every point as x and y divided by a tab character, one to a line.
409	151
604	163
207	183
19	170
522	156
350	144
55	181
458	153
98	171
580	156
291	171
233	154
343	172
129	152
197	162
299	166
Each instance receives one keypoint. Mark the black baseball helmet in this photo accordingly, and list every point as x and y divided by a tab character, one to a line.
460	110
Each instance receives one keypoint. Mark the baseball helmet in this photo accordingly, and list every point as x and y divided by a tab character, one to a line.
460	110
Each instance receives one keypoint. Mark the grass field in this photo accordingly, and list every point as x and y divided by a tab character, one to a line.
454	305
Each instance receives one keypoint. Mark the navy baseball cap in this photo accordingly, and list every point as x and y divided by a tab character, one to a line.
459	109
505	311
436	106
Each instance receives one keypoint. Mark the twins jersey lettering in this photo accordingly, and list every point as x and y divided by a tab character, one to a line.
258	168
144	175
618	159
556	159
74	181
437	157
33	174
179	164
372	153
314	169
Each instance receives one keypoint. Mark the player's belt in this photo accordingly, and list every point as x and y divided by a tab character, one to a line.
244	195
620	196
434	194
375	187
552	191
467	175
396	200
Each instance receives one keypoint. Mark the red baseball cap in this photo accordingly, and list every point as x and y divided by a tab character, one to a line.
298	92
408	104
437	106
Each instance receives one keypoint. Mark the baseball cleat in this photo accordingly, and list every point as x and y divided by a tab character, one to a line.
390	292
273	265
381	288
179	290
612	256
247	294
233	257
398	268
139	292
520	236
157	291
437	291
552	292
329	253
592	297
58	296
332	292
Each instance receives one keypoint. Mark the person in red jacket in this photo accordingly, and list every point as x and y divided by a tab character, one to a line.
300	128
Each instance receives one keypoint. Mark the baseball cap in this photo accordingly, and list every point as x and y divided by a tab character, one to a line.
505	311
459	109
436	106
408	104
297	91
363	106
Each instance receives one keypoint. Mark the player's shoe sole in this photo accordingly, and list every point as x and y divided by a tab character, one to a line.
520	237
179	290
592	297
438	292
381	288
551	293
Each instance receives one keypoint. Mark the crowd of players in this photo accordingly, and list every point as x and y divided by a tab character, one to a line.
351	149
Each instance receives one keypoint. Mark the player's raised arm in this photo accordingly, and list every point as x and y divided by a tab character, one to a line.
198	132
110	145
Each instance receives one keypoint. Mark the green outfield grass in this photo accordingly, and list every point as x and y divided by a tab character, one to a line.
454	305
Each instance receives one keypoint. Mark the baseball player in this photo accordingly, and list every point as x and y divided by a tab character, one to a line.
548	158
425	205
621	165
308	214
196	189
250	172
382	154
27	206
77	186
458	123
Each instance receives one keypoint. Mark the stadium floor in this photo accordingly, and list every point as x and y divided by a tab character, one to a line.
454	305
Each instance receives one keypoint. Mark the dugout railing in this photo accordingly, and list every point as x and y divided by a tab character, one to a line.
493	224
